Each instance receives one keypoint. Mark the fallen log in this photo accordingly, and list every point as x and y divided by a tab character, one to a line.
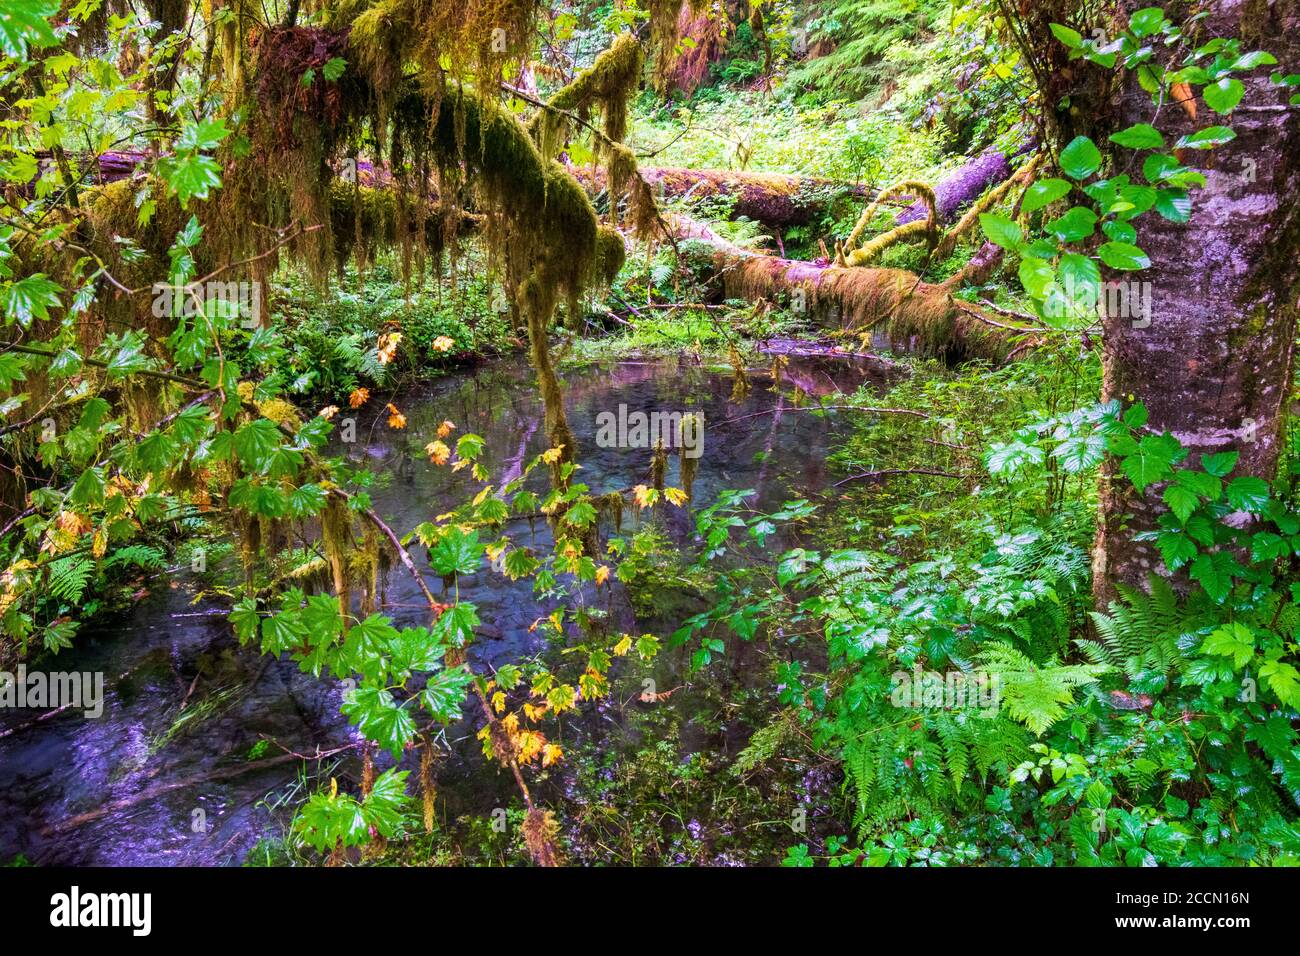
893	306
776	200
958	190
779	200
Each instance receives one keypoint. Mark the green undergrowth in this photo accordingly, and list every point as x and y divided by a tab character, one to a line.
330	335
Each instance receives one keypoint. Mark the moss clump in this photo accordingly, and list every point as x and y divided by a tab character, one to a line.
850	254
611	253
607	85
921	318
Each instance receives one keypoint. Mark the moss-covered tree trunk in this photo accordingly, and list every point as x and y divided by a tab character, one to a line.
1213	365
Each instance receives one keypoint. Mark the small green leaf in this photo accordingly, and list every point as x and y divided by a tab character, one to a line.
1174	204
1001	231
1043	193
1233	640
1081	158
1181	501
30	297
1220	465
1223	96
1077	224
1248	494
1123	256
1071	38
1207	138
1139	136
1146	21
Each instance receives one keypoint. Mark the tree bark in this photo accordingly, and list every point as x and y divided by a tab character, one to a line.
1213	365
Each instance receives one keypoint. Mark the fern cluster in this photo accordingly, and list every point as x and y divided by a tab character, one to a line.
922	763
862	33
1145	633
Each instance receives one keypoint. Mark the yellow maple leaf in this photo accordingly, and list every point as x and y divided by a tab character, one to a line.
446	428
443	343
623	646
530	745
499	701
438	452
328	412
602	574
359	397
533	711
387	346
676	496
551	754
395	418
552	455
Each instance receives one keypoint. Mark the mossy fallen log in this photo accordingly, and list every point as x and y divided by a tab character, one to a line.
779	200
776	200
962	187
892	306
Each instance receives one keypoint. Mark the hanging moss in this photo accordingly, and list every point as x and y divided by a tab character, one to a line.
611	254
607	85
610	506
336	538
665	20
687	465
659	466
366	219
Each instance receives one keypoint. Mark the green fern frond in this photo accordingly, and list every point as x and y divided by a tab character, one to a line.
1036	695
69	577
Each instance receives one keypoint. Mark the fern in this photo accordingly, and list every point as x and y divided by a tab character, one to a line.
853	571
902	769
863	31
137	556
1036	695
69	577
1144	632
765	742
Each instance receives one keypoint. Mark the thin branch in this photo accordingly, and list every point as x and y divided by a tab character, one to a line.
890	472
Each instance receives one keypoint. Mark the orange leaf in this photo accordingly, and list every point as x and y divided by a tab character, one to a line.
1184	97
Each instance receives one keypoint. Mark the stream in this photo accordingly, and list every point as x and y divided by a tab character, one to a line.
184	704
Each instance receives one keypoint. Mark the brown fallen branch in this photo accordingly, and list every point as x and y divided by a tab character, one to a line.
778	200
987	259
41	718
1036	330
891	472
153	793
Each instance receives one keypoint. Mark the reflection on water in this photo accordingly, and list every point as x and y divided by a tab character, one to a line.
71	788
